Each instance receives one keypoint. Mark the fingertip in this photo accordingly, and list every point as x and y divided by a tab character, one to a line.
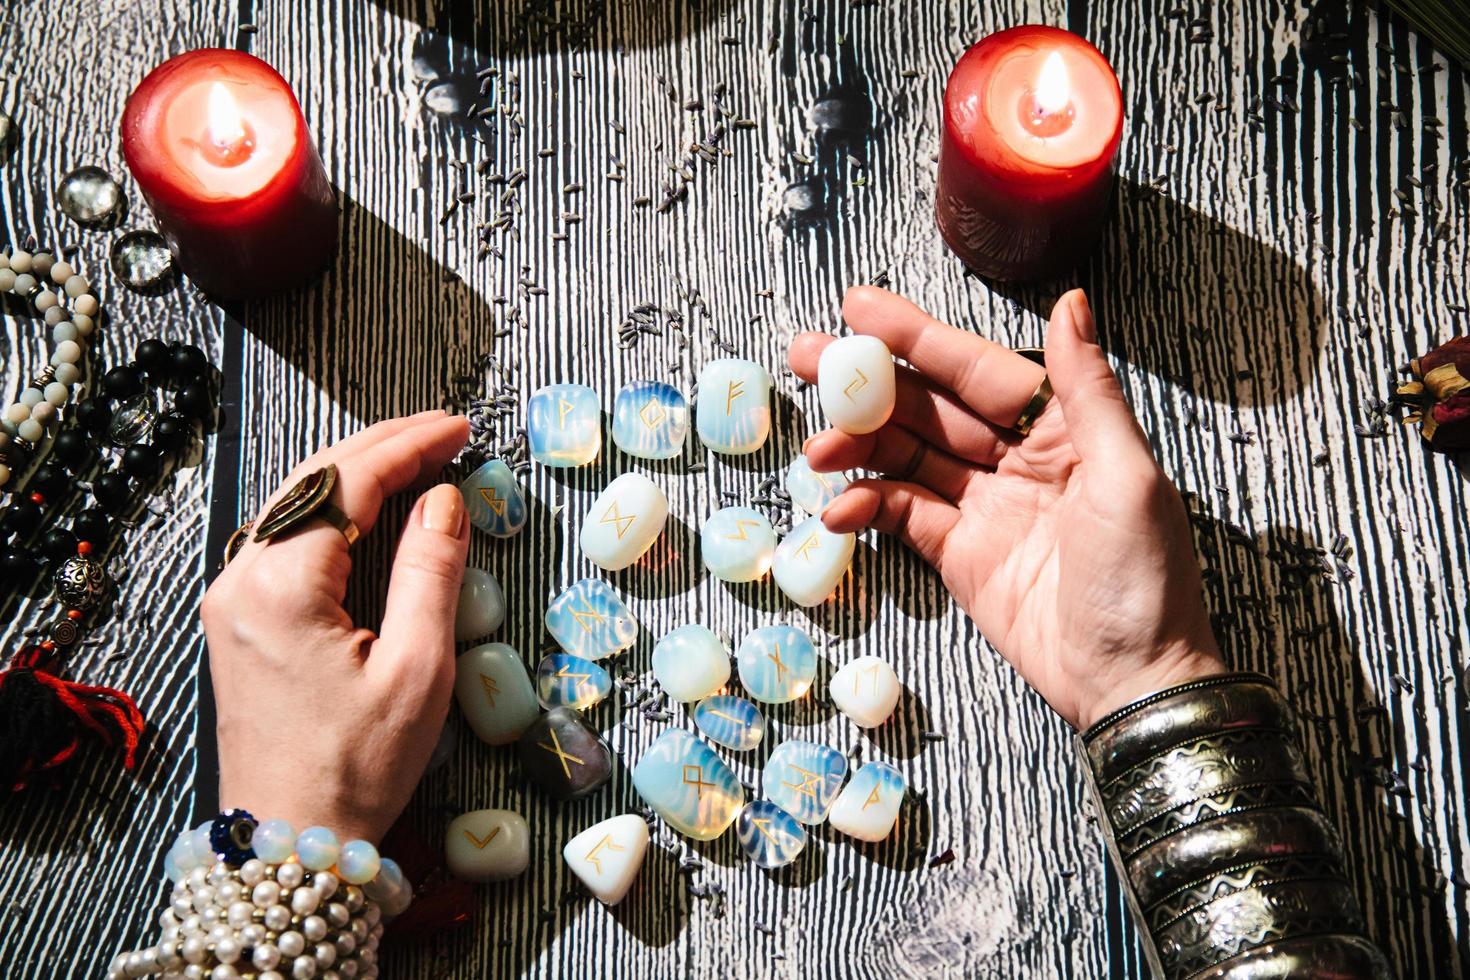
852	510
806	349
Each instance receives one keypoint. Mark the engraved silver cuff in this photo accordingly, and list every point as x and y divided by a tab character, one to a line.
1210	817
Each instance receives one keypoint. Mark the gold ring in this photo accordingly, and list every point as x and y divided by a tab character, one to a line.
237	541
1034	407
306	501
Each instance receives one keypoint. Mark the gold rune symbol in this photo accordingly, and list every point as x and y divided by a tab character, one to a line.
775	658
586	615
555	749
808	546
740	526
856	384
872	798
615	516
652	414
720	714
480	842
488	683
697	780
808	784
761	823
606	842
736	389
576	677
496	502
563	408
857	676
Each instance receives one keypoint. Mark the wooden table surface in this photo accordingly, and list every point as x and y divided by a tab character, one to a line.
1291	225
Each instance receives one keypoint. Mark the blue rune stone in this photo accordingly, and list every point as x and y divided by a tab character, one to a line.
650	420
867	808
565	681
690	787
803	778
564	425
730	721
769	836
493	499
588	620
777	663
733	414
810	490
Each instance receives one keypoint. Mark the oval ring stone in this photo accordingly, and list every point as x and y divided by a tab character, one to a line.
564	425
624	521
691	662
606	857
565	681
810	490
769	836
588	620
493	499
650	420
487	845
811	561
867	807
855	383
688	785
866	690
481	608
494	692
737	544
777	663
803	778
730	721
733	413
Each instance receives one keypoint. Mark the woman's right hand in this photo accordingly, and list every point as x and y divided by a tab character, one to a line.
1069	548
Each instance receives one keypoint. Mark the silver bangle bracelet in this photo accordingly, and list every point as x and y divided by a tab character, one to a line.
1209	814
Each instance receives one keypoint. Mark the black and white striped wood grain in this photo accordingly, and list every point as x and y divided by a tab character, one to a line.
1258	287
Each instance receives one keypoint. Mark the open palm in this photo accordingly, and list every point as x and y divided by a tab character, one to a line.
1069	548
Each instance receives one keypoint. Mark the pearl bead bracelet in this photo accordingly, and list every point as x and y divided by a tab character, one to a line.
261	901
31	277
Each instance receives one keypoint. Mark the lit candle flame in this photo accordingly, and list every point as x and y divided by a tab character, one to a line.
226	128
1053	87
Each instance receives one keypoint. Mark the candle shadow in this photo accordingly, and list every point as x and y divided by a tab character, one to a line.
1244	303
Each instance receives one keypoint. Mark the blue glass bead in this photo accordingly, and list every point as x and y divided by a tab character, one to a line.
777	663
274	841
564	425
737	544
590	621
769	836
803	778
810	490
358	862
730	721
733	414
493	499
317	848
690	787
229	836
565	681
650	420
691	662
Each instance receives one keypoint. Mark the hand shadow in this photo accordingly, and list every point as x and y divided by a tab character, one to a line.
1245	304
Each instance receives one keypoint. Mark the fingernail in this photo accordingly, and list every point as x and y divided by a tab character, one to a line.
444	510
1082	316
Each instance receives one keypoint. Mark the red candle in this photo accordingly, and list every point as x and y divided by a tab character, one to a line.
1032	120
217	142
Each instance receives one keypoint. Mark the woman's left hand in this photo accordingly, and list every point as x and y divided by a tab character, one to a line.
320	722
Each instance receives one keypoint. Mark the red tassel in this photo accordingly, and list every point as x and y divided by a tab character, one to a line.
44	715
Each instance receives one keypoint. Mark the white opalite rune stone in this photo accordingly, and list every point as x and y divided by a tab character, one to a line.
867	807
488	845
481	607
866	690
733	413
624	521
811	560
855	383
607	857
691	663
737	544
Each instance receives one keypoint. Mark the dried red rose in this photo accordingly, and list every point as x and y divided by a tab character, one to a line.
1438	398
